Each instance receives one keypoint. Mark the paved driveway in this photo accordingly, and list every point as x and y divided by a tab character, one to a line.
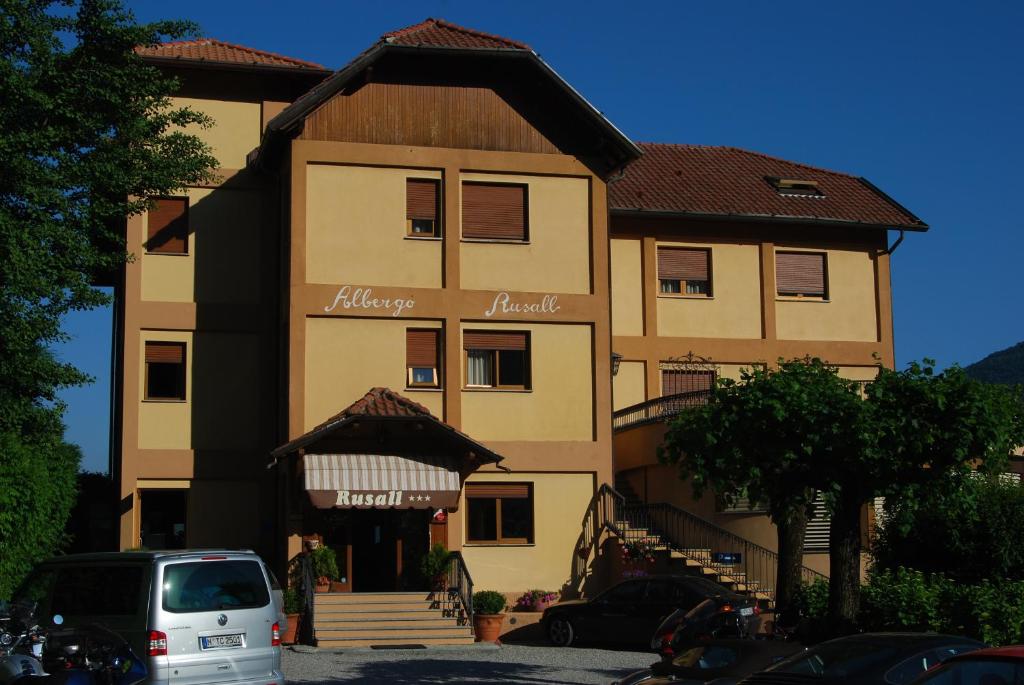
509	664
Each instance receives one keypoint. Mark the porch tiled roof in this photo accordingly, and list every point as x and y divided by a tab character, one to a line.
439	33
218	51
728	181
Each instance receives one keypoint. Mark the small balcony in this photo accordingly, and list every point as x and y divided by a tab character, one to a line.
658	410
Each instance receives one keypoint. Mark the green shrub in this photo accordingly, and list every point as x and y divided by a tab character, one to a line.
292	601
435	562
812	599
325	563
904	599
488	602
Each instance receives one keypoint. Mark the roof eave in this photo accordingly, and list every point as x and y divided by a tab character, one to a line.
292	115
761	218
254	67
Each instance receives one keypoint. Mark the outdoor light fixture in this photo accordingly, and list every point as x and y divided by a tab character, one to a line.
616	360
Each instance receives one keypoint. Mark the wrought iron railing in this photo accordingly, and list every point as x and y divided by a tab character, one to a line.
659	409
599	516
455	597
307	583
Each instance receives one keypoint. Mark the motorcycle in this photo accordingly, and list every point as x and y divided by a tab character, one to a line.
21	643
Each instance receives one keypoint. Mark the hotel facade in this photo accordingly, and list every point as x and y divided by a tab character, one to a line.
436	296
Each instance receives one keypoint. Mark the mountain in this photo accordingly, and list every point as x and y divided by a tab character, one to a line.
1005	366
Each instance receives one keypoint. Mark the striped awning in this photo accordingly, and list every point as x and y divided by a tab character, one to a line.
379	481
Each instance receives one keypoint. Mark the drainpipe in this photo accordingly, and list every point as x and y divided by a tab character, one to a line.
892	249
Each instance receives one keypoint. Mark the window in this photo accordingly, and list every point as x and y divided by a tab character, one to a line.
801	274
499	513
421	358
214	586
494	211
684	271
497	359
165	371
675	382
421	202
168	226
792	187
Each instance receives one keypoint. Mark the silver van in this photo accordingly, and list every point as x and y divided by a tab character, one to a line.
201	616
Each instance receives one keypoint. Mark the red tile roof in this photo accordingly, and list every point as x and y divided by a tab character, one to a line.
727	181
212	50
382	402
439	33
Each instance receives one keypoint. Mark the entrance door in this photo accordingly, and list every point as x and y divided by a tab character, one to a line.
162	518
387	545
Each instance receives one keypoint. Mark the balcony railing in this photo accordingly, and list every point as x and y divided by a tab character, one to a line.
658	410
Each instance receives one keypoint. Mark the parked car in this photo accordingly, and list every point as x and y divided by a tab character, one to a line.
875	658
199	616
630	611
993	666
722	662
716	617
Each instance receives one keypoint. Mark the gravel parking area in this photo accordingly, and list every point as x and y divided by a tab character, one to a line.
484	664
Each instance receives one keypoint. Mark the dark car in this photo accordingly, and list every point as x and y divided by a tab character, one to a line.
875	658
715	617
630	611
994	666
722	662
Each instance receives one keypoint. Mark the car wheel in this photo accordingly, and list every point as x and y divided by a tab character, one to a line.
560	631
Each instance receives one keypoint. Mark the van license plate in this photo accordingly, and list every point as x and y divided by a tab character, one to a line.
221	641
746	611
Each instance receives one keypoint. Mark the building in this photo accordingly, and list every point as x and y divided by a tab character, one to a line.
426	284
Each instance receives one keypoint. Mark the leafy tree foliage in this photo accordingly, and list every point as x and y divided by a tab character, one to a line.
87	134
772	435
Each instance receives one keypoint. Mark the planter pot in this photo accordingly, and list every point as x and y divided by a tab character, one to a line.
487	626
289	635
322	587
540	605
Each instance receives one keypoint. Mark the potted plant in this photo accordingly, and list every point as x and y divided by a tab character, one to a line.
434	566
488	606
325	567
536	600
293	610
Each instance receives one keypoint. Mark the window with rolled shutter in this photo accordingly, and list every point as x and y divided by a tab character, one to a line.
497	359
675	382
165	371
421	202
801	274
684	271
167	231
421	357
494	211
499	513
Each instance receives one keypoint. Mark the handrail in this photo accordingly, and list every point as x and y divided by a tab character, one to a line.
307	633
658	409
599	516
456	600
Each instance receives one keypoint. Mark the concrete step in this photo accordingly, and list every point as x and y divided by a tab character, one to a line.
322	627
352	643
357	597
372	606
377	615
406	634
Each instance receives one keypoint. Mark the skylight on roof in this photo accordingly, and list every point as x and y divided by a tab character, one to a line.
792	187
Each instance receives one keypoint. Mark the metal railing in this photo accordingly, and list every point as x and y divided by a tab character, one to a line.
659	409
734	559
599	516
455	598
307	582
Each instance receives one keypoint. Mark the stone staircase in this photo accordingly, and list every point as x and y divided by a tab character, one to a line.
686	560
345	620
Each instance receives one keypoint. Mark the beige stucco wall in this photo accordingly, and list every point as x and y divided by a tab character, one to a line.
355	224
226	381
849	313
559	406
165	424
557	257
858	373
733	310
215	509
629	385
559	501
235	131
347	357
226	231
627	287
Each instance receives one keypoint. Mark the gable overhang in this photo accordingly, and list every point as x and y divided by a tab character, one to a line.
761	218
618	148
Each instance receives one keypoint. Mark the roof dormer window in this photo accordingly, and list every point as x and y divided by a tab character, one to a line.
792	187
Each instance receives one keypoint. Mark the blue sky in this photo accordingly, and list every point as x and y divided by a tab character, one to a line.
923	99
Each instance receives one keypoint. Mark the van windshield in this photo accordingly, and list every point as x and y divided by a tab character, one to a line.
214	586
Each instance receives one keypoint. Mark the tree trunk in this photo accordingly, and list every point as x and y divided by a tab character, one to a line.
791	528
844	564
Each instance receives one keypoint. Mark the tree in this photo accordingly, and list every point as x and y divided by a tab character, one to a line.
772	436
87	135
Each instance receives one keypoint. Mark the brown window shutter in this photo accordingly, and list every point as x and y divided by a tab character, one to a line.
165	352
683	264
421	198
493	490
675	382
800	272
493	210
168	226
421	348
494	340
